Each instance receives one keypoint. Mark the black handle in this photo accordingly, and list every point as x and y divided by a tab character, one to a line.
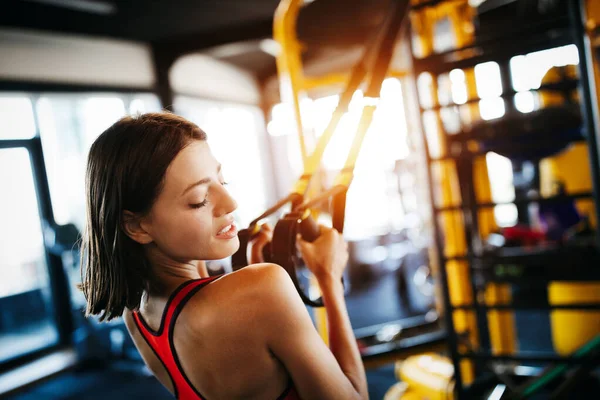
266	253
239	259
309	230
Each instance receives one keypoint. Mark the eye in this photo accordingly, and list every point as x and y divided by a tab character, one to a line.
200	205
224	183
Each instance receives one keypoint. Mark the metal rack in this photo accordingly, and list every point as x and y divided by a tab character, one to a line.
539	264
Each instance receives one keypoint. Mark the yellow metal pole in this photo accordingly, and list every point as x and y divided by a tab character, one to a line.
445	172
501	324
289	62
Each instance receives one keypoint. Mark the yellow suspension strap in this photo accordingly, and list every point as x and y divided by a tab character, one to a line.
282	249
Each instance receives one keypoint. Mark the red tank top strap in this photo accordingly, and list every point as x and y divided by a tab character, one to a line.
289	393
161	341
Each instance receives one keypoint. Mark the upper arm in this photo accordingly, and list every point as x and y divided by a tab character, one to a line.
293	339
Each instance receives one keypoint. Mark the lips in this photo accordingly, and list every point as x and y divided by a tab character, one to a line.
227	228
228	231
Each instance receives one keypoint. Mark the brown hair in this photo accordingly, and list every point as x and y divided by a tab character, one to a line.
125	171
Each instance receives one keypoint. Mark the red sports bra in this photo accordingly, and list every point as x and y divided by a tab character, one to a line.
162	344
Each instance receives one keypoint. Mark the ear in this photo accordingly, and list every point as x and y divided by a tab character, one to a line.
132	225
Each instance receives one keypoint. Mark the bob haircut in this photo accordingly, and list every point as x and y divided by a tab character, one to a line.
125	171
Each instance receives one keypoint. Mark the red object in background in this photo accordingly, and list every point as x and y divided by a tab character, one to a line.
522	235
361	346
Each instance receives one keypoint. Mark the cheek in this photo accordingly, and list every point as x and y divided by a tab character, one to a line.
192	226
187	230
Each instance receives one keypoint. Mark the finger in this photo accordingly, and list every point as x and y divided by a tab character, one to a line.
266	228
323	229
261	241
263	236
303	244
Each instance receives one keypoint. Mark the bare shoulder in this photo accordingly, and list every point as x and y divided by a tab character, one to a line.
247	293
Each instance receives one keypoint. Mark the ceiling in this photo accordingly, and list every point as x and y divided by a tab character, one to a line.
330	29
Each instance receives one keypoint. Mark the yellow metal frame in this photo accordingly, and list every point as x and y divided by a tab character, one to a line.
501	324
289	61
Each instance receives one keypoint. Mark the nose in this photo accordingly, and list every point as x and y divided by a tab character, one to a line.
226	204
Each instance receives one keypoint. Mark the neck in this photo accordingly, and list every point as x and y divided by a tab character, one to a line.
169	274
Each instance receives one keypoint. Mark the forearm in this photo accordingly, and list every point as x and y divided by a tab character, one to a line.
341	337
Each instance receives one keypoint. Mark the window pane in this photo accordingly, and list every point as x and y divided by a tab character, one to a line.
144	103
69	124
99	113
501	182
525	102
64	155
527	71
491	108
487	77
16	118
458	86
26	321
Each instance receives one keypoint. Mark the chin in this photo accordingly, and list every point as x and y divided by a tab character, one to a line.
235	245
227	250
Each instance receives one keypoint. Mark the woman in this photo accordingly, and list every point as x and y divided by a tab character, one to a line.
156	208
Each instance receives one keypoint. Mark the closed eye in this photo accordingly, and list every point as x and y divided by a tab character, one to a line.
200	205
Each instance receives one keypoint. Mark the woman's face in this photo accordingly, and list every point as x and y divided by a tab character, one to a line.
192	217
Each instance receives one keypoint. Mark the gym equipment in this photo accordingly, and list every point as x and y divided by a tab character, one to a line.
477	297
572	328
374	64
428	375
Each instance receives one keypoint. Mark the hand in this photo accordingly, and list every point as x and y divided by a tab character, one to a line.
254	251
327	256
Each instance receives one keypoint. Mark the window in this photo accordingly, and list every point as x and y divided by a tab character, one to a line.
489	90
69	124
16	117
527	72
501	184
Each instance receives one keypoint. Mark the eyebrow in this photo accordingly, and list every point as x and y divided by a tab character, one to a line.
200	182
